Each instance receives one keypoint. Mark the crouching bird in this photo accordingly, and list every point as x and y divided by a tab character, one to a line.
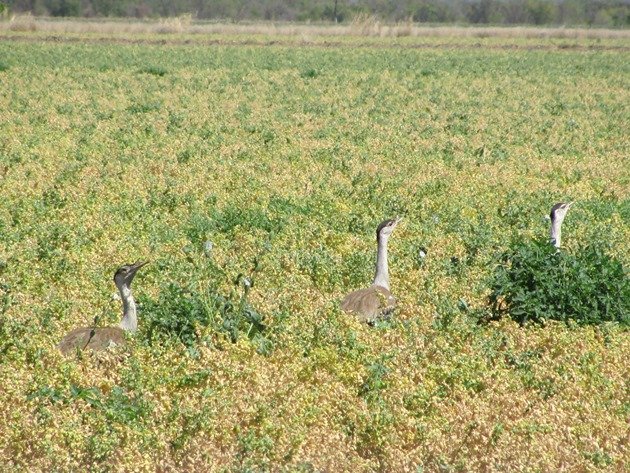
376	301
100	338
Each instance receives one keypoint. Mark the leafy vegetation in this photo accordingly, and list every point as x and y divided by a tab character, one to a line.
184	311
253	179
535	282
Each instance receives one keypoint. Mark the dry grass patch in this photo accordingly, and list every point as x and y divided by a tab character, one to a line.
360	26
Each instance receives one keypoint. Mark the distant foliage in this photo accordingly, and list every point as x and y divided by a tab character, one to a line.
565	12
534	282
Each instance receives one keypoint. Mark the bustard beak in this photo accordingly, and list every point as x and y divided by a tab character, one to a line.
397	220
134	270
138	264
570	204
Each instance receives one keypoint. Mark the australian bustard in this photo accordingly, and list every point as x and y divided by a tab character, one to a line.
375	301
100	338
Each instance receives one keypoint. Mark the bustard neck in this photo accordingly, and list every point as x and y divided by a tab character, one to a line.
381	278
129	321
556	233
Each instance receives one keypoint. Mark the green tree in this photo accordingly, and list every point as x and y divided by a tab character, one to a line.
480	11
63	7
433	12
539	12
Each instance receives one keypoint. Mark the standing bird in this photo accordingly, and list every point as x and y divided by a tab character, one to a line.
375	301
558	212
100	338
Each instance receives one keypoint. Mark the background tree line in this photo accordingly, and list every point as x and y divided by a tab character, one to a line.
539	12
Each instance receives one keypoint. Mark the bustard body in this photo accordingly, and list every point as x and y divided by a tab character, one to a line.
101	338
376	301
92	338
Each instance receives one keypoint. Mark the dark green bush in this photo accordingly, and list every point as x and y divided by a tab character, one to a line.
153	70
119	405
534	282
183	311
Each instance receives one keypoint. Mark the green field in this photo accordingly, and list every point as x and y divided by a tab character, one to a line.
286	158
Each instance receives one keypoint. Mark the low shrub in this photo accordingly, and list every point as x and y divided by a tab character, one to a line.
183	311
534	282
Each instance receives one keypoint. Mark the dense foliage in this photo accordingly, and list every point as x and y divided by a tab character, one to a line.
536	282
252	173
538	12
194	314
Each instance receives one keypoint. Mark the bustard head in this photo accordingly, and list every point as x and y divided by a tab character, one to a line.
386	228
125	274
559	211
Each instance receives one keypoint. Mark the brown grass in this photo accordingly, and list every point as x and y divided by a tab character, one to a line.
362	25
20	23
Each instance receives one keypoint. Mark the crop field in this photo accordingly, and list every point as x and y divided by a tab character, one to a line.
252	177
